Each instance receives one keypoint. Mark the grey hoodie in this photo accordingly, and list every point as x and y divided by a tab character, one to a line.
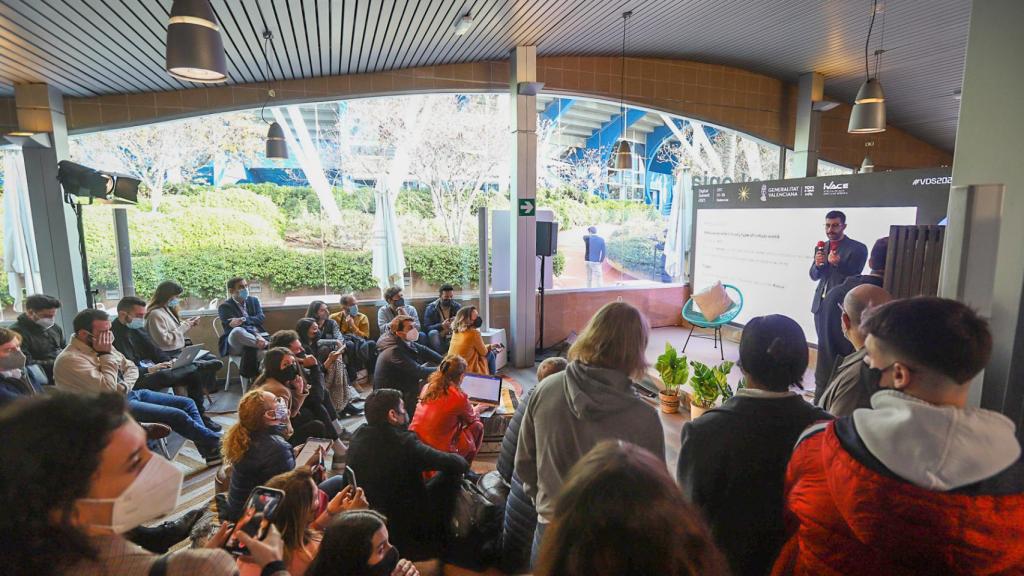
567	415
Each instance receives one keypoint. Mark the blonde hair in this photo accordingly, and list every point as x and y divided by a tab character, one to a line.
615	338
550	366
448	374
250	419
461	322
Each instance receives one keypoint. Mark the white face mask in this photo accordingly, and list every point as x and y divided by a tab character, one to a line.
412	335
45	323
153	493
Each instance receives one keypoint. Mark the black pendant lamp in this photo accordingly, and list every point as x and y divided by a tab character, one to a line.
195	51
277	146
623	152
868	115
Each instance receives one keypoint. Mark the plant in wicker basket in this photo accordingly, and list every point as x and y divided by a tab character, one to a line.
710	383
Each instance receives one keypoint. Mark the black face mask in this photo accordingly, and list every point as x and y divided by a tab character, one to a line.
398	303
446	303
386	566
287	374
478	322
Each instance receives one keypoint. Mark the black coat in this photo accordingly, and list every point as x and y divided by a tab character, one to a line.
520	514
229	309
136	345
732	465
398	368
269	454
12	389
831	342
852	257
40	346
389	463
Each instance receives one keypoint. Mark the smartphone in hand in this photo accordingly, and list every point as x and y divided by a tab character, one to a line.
259	512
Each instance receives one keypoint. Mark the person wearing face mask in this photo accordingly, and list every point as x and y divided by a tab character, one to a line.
350	320
922	483
395	306
439	317
468	343
90	364
163	318
41	338
282	376
155	373
398	360
66	513
329	371
390	461
242	332
360	349
317	406
357	544
14	381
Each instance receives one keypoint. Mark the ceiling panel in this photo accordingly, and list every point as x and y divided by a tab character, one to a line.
94	47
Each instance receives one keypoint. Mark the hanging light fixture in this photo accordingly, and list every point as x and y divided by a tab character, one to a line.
868	115
623	152
868	165
195	51
277	146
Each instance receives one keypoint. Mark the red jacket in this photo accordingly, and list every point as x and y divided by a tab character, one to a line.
439	422
849	515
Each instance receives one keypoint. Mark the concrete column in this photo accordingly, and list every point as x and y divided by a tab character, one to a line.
523	231
987	152
41	109
124	252
807	142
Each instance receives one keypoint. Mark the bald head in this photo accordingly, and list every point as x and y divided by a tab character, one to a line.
857	302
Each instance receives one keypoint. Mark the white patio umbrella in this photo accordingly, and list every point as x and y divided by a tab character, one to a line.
676	239
388	257
21	263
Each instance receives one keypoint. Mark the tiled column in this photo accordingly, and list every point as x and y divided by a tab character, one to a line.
523	230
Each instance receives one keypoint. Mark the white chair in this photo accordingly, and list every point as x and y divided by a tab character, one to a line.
235	361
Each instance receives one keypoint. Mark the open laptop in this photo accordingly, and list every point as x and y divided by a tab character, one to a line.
188	355
483	389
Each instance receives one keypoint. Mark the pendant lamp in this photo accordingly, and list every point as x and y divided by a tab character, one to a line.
195	50
277	146
623	152
868	115
868	165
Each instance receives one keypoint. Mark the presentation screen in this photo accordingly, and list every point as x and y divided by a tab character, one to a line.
760	236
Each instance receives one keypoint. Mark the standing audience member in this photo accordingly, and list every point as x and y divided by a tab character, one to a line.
65	510
732	460
619	512
444	418
42	338
90	364
241	320
356	544
400	363
594	255
340	397
468	343
389	462
317	406
329	329
283	378
853	385
155	373
921	483
163	318
520	519
593	400
14	383
439	316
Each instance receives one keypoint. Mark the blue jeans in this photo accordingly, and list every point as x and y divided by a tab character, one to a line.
492	362
178	412
437	343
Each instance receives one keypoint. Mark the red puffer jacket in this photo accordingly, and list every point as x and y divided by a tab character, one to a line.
851	516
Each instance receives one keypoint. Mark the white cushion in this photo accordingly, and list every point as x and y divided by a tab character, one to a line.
713	302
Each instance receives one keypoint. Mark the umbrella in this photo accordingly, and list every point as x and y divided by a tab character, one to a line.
388	257
676	239
20	260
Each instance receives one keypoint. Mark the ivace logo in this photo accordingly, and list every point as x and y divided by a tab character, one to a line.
932	181
831	185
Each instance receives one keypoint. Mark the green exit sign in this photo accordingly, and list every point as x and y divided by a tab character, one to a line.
527	207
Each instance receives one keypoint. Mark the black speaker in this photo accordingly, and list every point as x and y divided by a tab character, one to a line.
547	238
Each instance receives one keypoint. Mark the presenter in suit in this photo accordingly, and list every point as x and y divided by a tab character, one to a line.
834	261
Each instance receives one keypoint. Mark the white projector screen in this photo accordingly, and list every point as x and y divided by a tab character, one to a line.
767	253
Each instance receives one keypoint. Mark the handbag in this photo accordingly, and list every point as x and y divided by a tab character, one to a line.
472	512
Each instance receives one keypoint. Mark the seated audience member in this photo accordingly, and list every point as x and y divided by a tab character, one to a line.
360	349
155	372
834	345
41	338
356	544
921	483
283	378
340	397
65	509
741	495
90	364
399	362
389	462
592	400
395	306
163	318
14	381
329	329
350	320
852	385
241	319
317	406
619	512
444	418
438	318
468	343
520	516
302	515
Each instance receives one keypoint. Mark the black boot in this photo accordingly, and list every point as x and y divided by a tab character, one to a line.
159	539
210	423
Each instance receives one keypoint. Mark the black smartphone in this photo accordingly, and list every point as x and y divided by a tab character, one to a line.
263	502
350	478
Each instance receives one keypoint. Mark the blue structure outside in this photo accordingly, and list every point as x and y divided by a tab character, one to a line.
556	109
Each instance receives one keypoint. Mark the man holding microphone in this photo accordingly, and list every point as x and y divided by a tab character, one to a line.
834	260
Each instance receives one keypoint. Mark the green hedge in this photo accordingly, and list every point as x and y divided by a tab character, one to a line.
636	255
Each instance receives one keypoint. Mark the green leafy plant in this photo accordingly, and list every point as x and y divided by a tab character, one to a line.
710	383
673	369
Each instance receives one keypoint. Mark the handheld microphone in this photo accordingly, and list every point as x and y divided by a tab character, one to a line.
820	247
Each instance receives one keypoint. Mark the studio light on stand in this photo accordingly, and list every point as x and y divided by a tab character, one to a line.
868	115
83	185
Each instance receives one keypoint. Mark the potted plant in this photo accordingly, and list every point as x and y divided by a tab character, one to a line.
709	384
674	372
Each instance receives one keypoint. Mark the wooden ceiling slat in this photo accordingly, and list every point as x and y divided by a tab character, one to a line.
246	62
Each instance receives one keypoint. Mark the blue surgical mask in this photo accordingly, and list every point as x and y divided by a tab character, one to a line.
137	323
353	310
243	293
173	302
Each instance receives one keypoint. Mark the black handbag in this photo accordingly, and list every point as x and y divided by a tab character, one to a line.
474	529
472	511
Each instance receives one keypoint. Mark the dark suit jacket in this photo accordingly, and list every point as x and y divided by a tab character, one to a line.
231	309
852	257
831	342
